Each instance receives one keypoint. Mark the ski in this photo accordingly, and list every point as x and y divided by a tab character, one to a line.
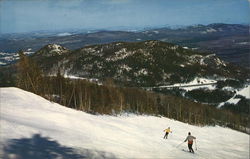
187	151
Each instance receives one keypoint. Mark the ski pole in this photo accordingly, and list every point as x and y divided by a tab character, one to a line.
195	145
179	144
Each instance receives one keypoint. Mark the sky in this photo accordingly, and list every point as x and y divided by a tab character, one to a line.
55	15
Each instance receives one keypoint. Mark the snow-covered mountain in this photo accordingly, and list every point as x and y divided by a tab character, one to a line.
203	84
52	50
32	127
168	68
8	58
147	63
228	41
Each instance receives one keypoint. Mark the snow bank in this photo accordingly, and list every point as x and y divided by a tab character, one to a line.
24	114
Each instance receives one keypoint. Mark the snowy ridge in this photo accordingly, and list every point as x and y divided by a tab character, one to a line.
210	59
245	92
24	114
52	50
56	48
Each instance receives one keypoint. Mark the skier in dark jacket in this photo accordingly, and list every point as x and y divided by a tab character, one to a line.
190	139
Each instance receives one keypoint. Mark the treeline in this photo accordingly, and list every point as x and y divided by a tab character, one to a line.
111	99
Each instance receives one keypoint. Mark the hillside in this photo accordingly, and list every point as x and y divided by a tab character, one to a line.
32	127
148	63
153	65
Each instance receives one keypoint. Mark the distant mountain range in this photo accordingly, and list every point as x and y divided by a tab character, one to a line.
153	65
228	41
148	63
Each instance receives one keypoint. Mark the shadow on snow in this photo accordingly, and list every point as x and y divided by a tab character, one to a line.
38	147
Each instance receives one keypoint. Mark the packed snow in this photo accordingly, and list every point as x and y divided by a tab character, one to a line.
33	127
93	80
245	92
2	63
74	77
196	83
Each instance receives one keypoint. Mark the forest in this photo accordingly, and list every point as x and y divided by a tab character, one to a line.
110	98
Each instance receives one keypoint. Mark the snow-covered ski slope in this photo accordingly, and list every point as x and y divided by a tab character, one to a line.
32	127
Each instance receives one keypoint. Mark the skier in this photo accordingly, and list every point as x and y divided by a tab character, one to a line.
167	132
190	139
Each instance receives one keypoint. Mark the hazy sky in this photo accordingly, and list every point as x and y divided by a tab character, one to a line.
33	15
